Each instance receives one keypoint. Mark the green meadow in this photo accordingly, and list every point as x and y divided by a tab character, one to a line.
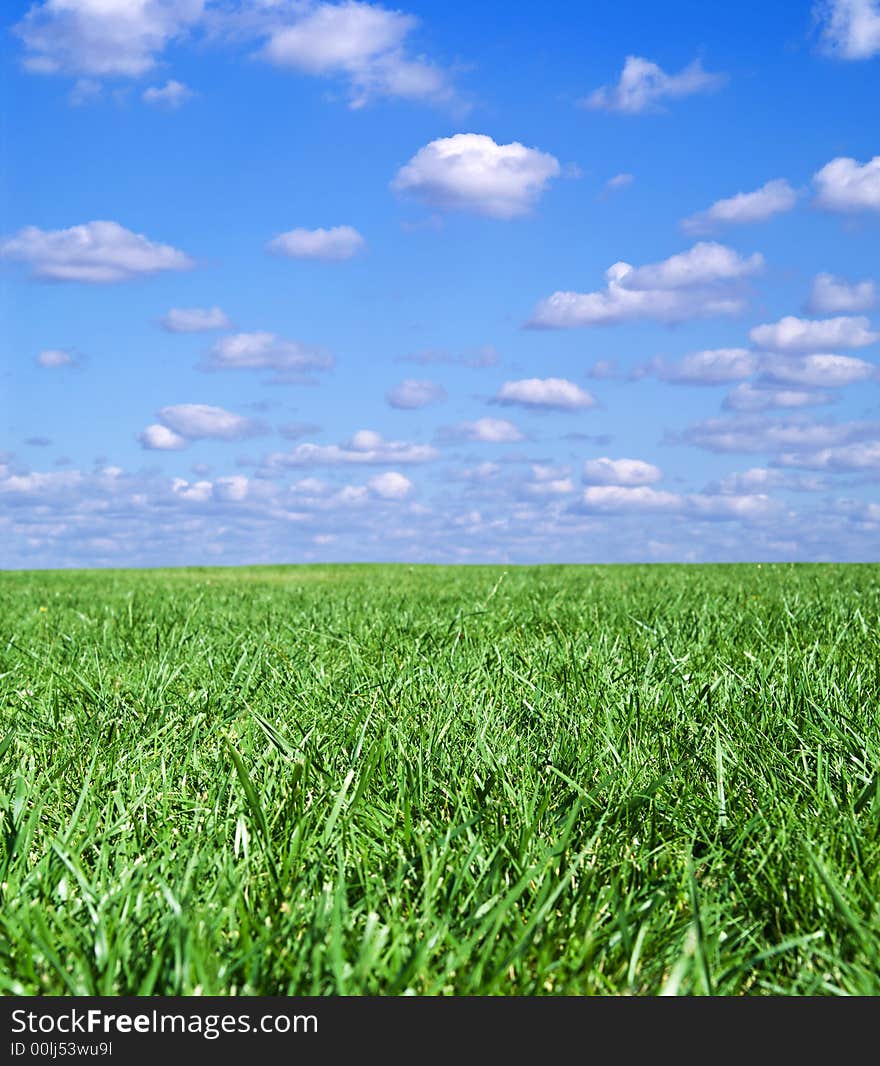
379	780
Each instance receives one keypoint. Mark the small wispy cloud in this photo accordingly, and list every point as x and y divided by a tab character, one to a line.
644	86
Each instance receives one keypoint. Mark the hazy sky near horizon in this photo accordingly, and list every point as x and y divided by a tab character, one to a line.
287	281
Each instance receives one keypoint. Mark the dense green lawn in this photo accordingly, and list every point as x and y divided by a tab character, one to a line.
380	779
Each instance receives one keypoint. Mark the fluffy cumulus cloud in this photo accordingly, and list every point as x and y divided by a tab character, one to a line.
792	334
95	253
850	28
861	457
774	198
103	37
703	281
749	433
159	438
362	44
413	393
712	366
366	447
546	482
180	423
831	294
195	319
644	86
391	485
483	430
198	420
266	351
331	245
626	472
703	506
172	94
53	358
552	394
817	371
722	507
470	172
846	185
618	498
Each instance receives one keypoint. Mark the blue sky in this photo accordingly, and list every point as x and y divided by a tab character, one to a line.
288	281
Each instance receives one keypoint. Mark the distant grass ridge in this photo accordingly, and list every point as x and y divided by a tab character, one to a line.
353	780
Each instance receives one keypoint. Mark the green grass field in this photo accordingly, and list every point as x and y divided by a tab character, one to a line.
444	781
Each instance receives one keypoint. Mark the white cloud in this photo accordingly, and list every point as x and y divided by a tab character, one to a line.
563	486
774	198
851	28
549	393
197	421
365	447
626	498
791	334
103	37
619	181
759	479
621	499
817	371
96	252
469	171
172	94
699	282
747	397
39	483
413	393
391	485
644	84
705	264
547	482
859	457
266	351
713	366
195	319
481	472
626	472
831	294
235	487
487	430
845	185
362	43
161	438
720	507
52	358
756	433
335	36
195	492
331	245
